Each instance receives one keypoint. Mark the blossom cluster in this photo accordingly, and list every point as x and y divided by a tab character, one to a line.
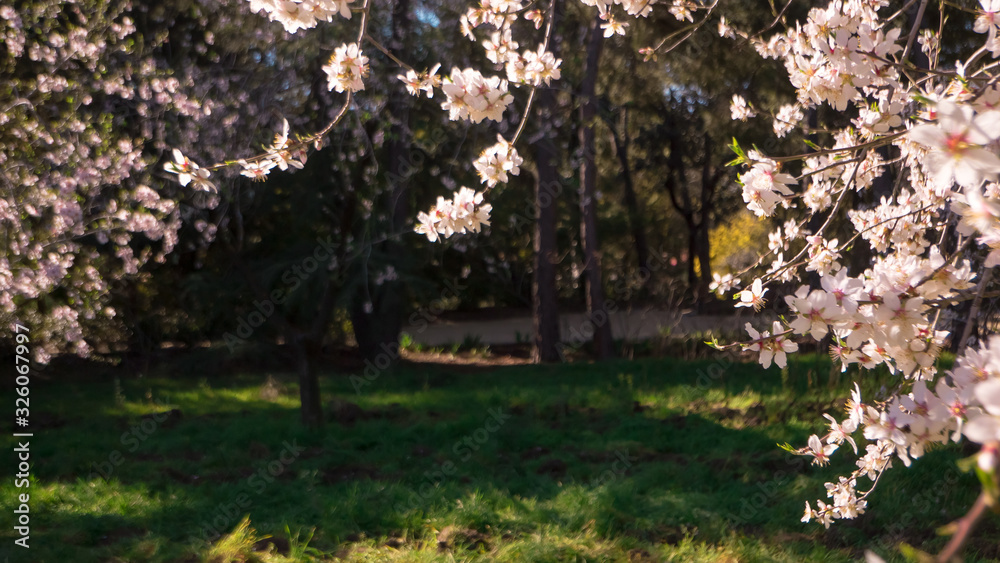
466	212
281	154
764	187
302	14
475	97
76	201
497	161
533	67
943	128
346	69
468	94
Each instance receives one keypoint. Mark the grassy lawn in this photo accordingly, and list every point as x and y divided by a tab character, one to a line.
652	460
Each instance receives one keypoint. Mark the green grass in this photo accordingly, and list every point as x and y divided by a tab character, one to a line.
419	473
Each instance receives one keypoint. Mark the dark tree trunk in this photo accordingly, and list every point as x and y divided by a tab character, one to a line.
696	218
677	189
309	395
596	307
305	343
377	332
692	251
544	295
704	258
630	200
709	183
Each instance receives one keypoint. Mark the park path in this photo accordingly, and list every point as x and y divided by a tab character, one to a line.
639	324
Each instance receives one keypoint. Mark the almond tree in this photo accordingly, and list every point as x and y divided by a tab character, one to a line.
84	102
934	242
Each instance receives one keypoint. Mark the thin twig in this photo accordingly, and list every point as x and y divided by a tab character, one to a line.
914	30
974	312
964	527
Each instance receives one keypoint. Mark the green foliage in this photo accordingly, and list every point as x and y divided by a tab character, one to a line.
236	546
298	548
736	243
471	341
407	343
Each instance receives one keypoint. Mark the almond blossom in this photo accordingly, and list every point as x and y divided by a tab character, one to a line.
787	118
753	297
740	109
723	284
466	212
472	96
764	187
346	69
957	141
497	161
257	170
302	14
613	26
182	166
424	82
534	67
771	346
819	451
888	312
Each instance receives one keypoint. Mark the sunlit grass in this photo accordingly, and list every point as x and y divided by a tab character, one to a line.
656	460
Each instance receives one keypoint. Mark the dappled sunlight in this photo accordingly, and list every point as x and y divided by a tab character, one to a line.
618	460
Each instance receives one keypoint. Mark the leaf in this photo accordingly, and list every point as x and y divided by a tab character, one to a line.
741	156
966	464
988	481
913	554
788	448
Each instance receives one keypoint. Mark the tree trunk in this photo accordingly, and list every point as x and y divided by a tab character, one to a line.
596	307
377	331
692	251
677	188
309	394
630	200
305	344
544	295
704	261
709	183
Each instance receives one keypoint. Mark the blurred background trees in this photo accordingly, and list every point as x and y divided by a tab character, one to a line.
624	195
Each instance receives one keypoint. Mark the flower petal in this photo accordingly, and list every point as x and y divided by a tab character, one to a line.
929	135
982	429
988	393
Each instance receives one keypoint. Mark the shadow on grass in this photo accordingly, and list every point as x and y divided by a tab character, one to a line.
640	456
